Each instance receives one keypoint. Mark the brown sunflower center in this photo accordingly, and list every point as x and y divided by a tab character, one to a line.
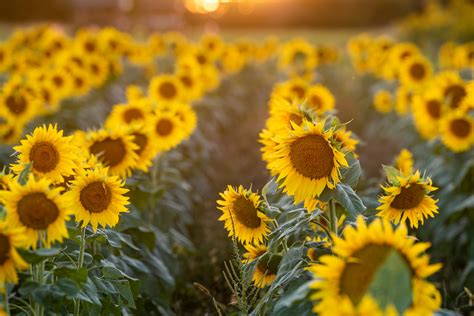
17	104
4	249
111	151
460	127
245	212
187	81
58	81
455	93
168	90
295	118
164	127
312	156
298	90
36	211
434	108
417	71
141	140
44	156
96	197
202	60
95	69
316	102
132	114
89	46
79	82
359	273
409	197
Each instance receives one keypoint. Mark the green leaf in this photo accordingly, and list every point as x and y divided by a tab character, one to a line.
38	255
79	276
126	296
23	177
351	175
292	297
346	196
391	173
392	283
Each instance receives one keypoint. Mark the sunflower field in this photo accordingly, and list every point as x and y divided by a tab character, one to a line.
239	172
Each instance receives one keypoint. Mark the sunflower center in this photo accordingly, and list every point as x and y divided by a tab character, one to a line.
168	90
187	81
95	69
132	114
201	59
96	197
16	105
245	212
460	127
295	118
79	82
298	90
434	108
164	127
58	81
89	46
417	71
316	102
4	248
141	140
36	211
455	93
111	151
44	156
409	197
312	156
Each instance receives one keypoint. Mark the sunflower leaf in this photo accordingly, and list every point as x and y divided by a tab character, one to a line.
392	173
347	197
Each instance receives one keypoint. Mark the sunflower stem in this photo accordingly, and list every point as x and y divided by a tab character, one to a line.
80	264
333	217
6	305
39	274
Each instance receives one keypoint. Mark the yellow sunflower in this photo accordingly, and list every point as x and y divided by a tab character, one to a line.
320	99
19	105
125	114
192	85
187	116
404	99
38	209
114	148
415	71
134	93
147	148
383	101
10	260
344	284
97	198
242	215
267	266
167	130
50	154
166	89
293	89
404	162
453	88
457	131
408	197
344	136
428	109
306	160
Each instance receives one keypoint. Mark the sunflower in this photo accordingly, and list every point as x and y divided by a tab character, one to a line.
404	97
457	131
283	114
97	69
293	89
192	85
114	148
453	88
306	160
344	280
187	116
242	215
320	99
50	154
404	162
415	71
134	93
97	198
428	109
166	89
167	130
343	136
61	81
125	114
147	148
10	260
267	266
37	208
18	104
383	102
408	197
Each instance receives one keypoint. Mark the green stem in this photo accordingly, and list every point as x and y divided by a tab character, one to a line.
333	217
39	274
6	305
80	264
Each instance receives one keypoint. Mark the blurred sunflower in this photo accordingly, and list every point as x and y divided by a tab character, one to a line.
125	114
403	103
415	71
242	215
187	116
168	130
320	99
453	88
19	105
267	266
306	161
345	278
343	136
293	89
134	93
407	197
50	154
404	162
191	84
383	102
10	259
97	198
38	209
428	109
114	148
457	131
143	137
166	89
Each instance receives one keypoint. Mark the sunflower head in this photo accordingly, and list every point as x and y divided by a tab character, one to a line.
457	131
11	239
404	162
383	101
166	89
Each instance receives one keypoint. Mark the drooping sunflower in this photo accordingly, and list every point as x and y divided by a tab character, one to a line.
168	130
415	71
166	89
404	162
10	259
134	111
383	101
306	160
428	109
114	147
320	99
38	209
267	265
50	154
408	197
457	131
242	215
345	279
97	198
